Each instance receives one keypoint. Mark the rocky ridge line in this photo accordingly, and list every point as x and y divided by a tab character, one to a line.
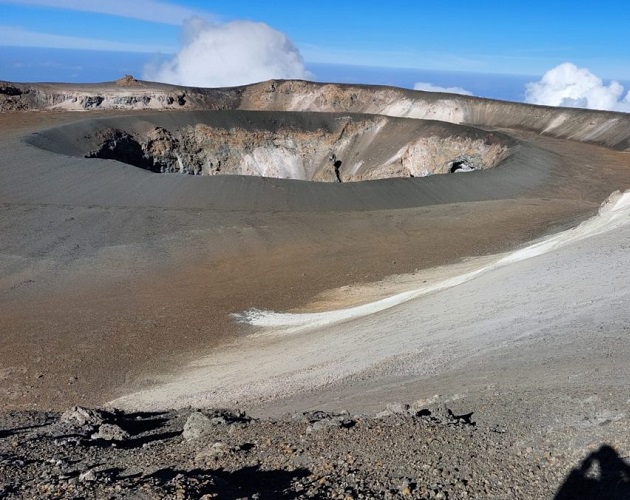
125	93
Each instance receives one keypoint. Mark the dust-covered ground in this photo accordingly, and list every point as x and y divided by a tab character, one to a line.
120	285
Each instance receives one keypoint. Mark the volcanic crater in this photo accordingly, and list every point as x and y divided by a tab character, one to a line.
324	147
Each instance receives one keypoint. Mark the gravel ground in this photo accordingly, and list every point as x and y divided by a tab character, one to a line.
405	451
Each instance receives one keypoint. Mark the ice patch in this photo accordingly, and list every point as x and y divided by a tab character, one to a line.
614	213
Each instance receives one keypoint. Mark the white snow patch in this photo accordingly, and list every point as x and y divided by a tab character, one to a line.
614	212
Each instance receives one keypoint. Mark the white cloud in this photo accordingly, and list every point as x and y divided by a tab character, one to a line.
429	87
11	36
570	86
146	10
230	54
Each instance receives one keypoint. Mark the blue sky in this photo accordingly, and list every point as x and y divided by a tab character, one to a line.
496	37
484	36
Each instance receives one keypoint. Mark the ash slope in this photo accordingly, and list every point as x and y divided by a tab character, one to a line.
101	257
470	320
113	278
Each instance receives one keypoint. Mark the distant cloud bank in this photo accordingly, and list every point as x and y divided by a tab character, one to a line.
570	86
429	87
565	85
229	54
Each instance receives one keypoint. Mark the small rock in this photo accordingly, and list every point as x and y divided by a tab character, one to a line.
322	424
197	426
423	404
397	408
111	432
215	450
220	420
87	476
441	413
80	416
339	421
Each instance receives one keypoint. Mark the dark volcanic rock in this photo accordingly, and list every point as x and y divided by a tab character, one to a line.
433	455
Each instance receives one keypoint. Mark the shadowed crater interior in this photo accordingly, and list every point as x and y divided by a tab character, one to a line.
324	147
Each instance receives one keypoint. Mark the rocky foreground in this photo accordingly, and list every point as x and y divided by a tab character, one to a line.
402	452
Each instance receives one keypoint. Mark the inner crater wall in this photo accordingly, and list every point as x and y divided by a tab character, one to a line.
325	147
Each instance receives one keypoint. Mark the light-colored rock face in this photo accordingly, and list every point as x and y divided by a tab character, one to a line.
443	155
126	93
302	146
605	128
13	98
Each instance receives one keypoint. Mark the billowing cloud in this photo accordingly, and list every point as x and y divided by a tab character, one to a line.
570	86
224	55
429	87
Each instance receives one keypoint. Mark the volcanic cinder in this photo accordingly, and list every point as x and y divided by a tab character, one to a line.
289	246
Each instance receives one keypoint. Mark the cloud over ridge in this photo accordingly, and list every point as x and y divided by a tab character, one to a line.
429	87
229	54
570	86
